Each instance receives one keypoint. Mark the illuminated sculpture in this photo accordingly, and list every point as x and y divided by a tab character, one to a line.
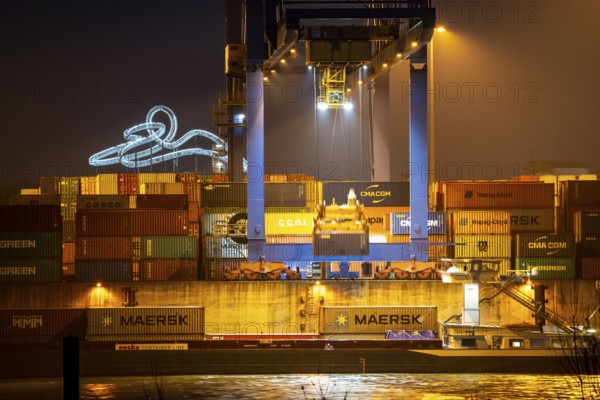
126	155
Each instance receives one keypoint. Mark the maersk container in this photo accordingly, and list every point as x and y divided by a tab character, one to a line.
103	271
496	195
162	201
107	184
588	245
561	245
103	202
400	221
378	218
145	324
41	324
547	267
342	319
580	193
30	219
480	222
590	268
370	194
215	220
532	220
340	244
30	244
33	200
104	248
132	223
223	247
284	223
30	270
587	222
168	270
482	246
168	247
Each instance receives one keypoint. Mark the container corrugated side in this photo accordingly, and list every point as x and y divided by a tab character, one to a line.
548	268
69	230
104	248
33	200
560	245
132	223
103	271
436	223
587	222
160	177
482	246
438	245
288	239
87	185
168	247
480	222
590	268
566	216
68	253
41	324
103	202
223	195
193	211
285	194
588	245
223	247
107	184
497	195
370	194
285	223
168	270
69	185
30	244
30	219
128	184
133	323
214	269
532	220
162	201
162	188
215	220
580	193
30	270
378	218
340	244
376	319
50	185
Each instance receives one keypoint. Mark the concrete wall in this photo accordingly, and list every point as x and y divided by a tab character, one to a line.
265	307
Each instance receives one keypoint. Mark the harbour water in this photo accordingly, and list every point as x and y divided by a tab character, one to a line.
320	387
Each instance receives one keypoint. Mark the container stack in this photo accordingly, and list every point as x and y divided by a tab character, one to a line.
577	196
30	243
546	256
587	237
437	230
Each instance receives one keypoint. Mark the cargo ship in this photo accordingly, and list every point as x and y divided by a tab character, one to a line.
151	271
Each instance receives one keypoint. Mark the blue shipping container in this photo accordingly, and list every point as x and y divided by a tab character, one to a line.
400	223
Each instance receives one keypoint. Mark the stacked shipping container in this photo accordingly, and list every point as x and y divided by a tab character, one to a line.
587	237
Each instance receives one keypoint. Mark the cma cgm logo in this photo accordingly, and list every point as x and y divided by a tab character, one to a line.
27	321
372	191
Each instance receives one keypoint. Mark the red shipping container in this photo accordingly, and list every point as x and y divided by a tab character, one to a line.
132	222
162	201
496	195
104	248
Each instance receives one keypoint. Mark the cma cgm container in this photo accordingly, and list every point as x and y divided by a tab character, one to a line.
580	193
340	244
41	325
104	248
480	222
132	324
168	270
162	201
436	223
547	267
376	319
482	246
30	244
103	271
378	218
560	245
103	202
587	222
132	222
496	195
31	270
168	247
30	219
370	194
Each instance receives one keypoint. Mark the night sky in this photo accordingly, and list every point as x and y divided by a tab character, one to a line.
516	81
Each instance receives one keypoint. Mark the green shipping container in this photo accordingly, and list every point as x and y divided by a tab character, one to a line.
30	270
168	247
30	245
548	267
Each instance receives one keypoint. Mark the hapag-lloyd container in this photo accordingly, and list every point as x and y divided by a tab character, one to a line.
162	201
370	194
30	219
168	270
482	246
401	223
30	244
103	271
349	319
480	222
561	245
145	324
378	218
289	223
41	324
587	222
103	202
496	195
168	247
132	223
104	248
30	270
548	267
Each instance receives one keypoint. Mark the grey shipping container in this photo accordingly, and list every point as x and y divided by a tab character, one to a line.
400	223
145	324
30	244
168	270
41	325
547	267
561	245
340	244
376	319
103	271
370	194
30	218
31	270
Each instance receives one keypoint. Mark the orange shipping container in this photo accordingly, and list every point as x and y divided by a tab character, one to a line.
496	195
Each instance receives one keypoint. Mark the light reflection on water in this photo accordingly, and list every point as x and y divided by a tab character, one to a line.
303	386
